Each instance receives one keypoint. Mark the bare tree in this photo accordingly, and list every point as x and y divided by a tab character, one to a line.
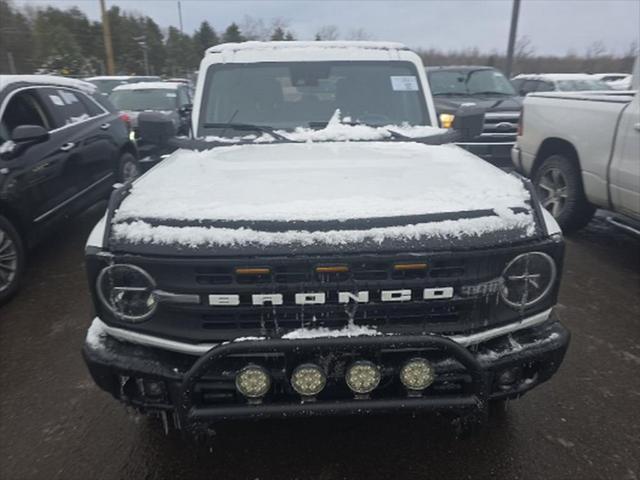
254	28
359	34
328	32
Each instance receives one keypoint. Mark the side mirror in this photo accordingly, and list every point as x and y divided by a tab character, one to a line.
156	128
29	134
469	122
186	109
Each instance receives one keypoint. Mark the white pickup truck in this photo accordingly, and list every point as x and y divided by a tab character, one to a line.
582	152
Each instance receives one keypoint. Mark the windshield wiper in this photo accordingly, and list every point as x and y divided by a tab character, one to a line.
489	92
249	128
451	94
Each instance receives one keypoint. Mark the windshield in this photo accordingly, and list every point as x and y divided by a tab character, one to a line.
106	86
286	95
151	99
581	85
469	82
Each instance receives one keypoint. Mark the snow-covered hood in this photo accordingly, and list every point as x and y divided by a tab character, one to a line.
330	193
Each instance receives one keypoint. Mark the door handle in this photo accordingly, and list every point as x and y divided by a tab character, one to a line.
104	126
67	146
637	127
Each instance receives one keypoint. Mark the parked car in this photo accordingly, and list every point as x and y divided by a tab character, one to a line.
616	81
489	88
583	152
557	82
319	248
61	150
172	99
106	84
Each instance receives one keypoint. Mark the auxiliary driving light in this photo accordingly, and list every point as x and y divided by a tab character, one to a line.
308	380
253	381
363	377
417	374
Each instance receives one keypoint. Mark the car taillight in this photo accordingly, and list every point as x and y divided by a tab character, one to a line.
521	123
126	119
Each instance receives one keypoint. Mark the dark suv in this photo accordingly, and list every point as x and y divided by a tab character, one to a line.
485	87
61	150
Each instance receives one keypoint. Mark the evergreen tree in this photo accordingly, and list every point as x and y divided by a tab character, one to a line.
232	34
204	38
15	39
278	34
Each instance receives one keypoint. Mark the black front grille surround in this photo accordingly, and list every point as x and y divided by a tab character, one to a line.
472	308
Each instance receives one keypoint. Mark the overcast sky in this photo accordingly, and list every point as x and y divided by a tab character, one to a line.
553	26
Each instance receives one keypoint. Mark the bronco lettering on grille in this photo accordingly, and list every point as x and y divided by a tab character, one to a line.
320	298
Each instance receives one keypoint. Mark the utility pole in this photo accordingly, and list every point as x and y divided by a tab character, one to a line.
142	41
512	37
180	15
12	63
106	33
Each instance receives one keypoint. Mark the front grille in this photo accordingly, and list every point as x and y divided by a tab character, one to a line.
467	280
500	127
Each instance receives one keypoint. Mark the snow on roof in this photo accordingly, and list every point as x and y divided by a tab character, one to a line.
148	86
557	76
6	80
249	52
110	77
244	46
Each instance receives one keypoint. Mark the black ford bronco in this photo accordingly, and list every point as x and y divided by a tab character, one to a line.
319	248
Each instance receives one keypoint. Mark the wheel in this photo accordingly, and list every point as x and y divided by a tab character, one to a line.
559	187
128	168
12	260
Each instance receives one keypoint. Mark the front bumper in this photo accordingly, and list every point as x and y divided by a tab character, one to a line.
197	391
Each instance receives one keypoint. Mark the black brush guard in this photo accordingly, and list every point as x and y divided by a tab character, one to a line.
476	402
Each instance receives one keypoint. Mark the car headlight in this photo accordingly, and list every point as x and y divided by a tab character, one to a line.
446	120
127	292
527	279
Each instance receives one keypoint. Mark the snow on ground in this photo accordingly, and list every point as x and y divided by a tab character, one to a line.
320	181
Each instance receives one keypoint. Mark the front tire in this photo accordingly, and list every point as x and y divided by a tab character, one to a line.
128	168
12	260
559	185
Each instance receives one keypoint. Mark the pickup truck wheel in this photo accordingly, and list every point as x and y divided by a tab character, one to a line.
128	169
559	187
12	260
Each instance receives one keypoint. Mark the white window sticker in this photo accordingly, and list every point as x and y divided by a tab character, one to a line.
68	97
171	95
56	100
404	83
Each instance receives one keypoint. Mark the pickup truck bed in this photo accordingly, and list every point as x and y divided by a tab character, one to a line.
582	150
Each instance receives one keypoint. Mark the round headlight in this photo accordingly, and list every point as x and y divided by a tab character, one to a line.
127	291
253	381
363	377
308	380
528	278
417	374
